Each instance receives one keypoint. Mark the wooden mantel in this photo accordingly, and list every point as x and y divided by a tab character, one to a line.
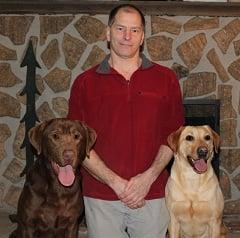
171	8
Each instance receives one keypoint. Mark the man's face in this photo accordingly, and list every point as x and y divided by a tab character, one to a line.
126	34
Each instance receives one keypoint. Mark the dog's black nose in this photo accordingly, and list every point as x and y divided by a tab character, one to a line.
68	156
202	151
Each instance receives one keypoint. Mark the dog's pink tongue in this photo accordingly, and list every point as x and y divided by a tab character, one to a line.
66	175
200	165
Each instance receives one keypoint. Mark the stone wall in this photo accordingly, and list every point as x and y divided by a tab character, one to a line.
203	51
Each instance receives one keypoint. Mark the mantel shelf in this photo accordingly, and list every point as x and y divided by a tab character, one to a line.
171	8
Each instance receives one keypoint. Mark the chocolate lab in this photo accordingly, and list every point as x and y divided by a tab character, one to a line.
193	195
51	200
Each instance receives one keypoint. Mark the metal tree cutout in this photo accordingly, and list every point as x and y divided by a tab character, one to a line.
29	90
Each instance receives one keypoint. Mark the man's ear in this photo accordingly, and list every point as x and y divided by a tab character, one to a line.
173	139
108	33
35	135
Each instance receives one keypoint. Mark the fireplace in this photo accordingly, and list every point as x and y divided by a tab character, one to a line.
204	112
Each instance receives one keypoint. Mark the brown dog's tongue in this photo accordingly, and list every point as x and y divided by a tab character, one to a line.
66	175
200	165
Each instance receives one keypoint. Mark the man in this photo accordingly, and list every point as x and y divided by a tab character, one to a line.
133	104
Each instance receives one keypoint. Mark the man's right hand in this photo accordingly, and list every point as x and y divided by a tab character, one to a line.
118	185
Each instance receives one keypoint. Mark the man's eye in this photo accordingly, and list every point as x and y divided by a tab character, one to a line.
135	30
119	28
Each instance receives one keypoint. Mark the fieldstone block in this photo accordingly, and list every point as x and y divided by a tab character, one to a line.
44	112
229	159
225	96
225	185
199	84
9	106
58	80
51	54
232	223
13	171
239	104
4	135
226	35
233	69
60	106
73	49
12	196
215	61
91	29
15	27
191	50
159	24
236	180
18	140
180	70
236	45
160	48
2	190
200	23
5	132
3	153
7	54
228	130
7	77
52	25
95	57
232	207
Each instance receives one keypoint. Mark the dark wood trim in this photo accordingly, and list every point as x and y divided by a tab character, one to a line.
171	8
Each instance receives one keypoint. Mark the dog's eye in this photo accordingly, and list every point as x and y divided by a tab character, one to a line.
189	138
77	136
207	137
55	136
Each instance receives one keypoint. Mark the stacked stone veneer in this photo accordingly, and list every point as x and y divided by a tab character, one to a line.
203	51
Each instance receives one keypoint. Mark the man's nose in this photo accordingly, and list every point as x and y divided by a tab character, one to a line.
127	34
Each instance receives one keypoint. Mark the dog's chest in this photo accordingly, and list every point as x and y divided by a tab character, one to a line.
199	205
58	214
190	210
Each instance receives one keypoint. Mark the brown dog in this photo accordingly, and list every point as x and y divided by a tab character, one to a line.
51	201
193	195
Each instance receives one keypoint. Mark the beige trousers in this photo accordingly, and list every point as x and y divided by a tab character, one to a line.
112	219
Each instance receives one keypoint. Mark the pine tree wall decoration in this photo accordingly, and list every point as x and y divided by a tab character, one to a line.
29	90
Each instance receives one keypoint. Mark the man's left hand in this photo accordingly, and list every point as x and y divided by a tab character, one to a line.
136	190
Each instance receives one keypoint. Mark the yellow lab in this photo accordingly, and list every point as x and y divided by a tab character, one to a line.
193	195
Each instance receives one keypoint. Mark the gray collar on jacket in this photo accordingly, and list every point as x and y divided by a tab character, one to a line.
104	67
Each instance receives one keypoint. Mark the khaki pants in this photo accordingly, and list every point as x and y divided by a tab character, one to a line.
112	219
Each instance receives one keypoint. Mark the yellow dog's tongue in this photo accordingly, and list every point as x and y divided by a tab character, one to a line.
200	165
66	175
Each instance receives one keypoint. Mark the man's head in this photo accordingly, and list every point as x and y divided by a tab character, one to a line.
126	8
125	31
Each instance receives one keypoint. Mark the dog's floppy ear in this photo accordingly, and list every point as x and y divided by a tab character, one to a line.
91	138
173	139
35	136
216	140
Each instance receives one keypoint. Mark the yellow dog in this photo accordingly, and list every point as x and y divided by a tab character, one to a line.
193	195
